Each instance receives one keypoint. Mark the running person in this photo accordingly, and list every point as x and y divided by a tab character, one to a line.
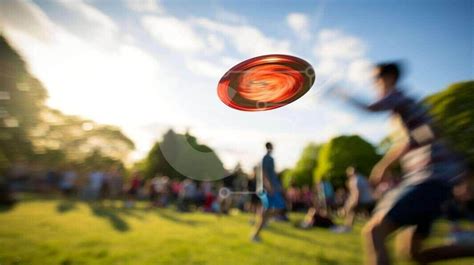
273	187
431	171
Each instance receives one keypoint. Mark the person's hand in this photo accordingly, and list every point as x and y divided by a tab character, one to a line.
377	174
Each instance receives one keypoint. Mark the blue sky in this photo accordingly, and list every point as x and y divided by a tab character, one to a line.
148	65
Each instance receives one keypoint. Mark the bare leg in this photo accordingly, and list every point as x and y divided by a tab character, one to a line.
261	218
413	247
350	216
374	234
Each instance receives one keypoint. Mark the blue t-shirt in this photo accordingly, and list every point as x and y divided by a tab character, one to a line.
268	168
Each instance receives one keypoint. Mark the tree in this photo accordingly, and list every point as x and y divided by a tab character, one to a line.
181	155
302	173
342	152
453	110
22	97
31	131
78	138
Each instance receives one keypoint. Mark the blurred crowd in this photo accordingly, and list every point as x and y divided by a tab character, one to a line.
112	186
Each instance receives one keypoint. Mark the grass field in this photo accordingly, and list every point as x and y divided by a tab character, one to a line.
47	232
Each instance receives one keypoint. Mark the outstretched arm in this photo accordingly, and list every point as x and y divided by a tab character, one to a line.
393	154
388	102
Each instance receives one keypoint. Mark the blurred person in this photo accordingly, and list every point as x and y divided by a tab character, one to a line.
461	207
360	199
68	183
306	195
115	184
209	196
254	202
325	194
340	198
153	186
133	189
316	217
226	202
162	188
96	180
104	193
186	195
293	197
273	187
431	169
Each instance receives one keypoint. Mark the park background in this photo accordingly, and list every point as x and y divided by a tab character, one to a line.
94	84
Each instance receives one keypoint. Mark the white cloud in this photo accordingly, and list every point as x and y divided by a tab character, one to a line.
36	24
148	6
205	68
335	44
360	72
342	57
299	23
90	14
173	33
227	16
246	39
215	43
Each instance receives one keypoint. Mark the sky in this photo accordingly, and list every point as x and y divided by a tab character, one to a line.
147	66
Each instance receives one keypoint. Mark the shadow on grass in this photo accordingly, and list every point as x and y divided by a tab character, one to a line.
115	220
307	238
174	218
6	207
285	233
65	206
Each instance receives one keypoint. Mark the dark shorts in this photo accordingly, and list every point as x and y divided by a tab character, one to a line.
416	204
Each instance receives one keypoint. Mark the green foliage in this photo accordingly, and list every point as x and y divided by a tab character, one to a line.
453	109
302	173
179	156
342	152
21	99
31	131
78	138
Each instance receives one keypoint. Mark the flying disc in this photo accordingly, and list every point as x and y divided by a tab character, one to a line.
265	82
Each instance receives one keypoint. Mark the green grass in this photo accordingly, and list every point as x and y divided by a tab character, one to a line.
53	232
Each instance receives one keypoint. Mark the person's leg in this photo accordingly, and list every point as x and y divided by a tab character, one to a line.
409	244
261	218
350	216
445	252
374	235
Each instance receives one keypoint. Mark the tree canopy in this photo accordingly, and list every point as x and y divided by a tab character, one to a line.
453	109
32	131
341	152
302	173
181	155
21	98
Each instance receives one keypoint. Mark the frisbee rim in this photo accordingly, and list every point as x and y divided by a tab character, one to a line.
224	84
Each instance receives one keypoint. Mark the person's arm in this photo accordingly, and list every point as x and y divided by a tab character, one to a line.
393	154
388	102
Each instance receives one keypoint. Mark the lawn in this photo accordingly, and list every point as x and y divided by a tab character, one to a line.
48	232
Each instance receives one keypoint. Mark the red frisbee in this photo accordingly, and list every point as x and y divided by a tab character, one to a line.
266	82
